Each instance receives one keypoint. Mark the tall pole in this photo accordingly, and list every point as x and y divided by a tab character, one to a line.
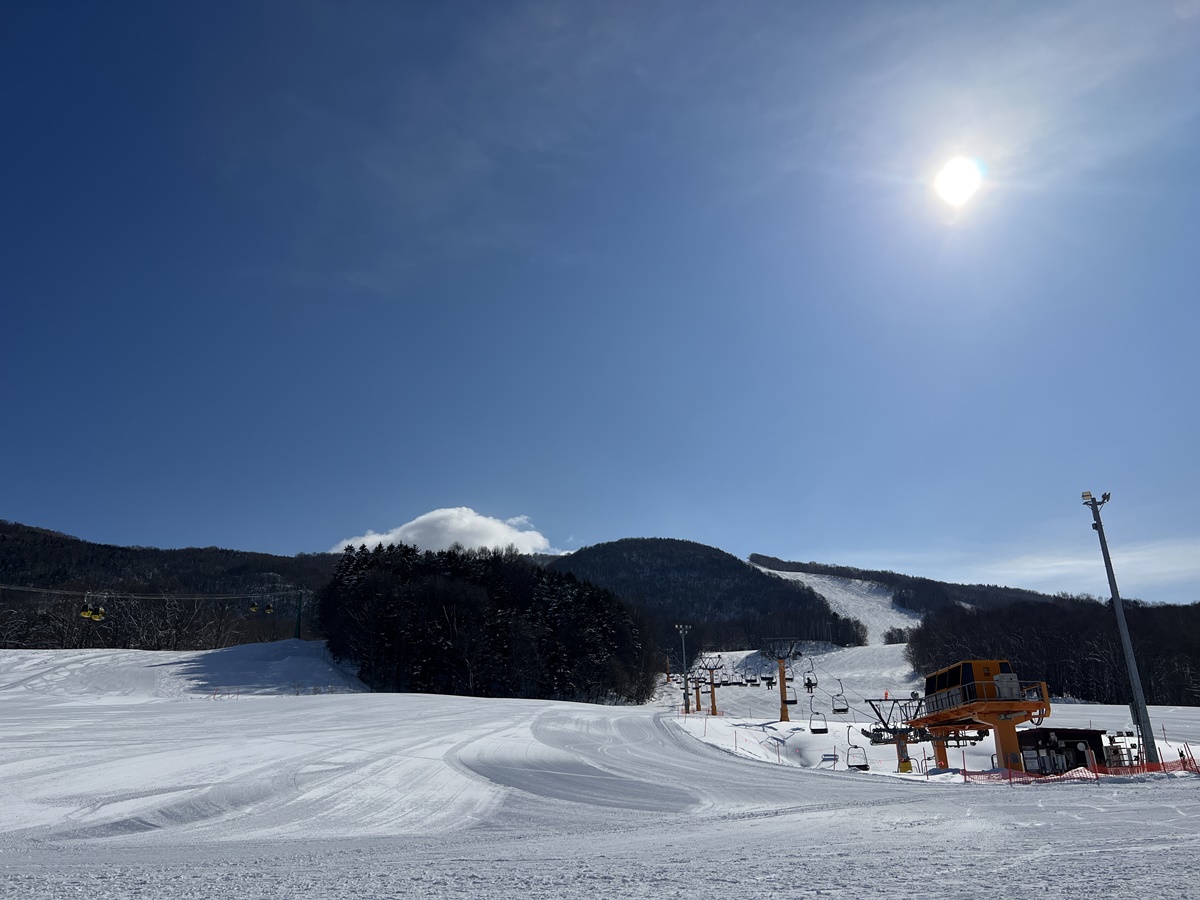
683	630
781	650
783	710
299	610
1140	713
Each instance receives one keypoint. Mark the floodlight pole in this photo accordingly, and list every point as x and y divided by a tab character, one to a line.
683	630
299	613
1140	713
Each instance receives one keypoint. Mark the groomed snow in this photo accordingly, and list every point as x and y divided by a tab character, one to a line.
867	601
263	771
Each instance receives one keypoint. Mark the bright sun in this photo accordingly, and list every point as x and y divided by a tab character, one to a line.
958	180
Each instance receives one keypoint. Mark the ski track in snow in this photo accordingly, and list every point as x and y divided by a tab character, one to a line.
129	774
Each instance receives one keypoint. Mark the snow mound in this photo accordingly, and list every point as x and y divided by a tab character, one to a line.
139	676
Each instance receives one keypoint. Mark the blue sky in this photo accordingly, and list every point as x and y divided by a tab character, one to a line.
281	275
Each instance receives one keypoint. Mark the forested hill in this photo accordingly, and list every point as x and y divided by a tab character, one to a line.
733	603
40	558
1072	645
918	594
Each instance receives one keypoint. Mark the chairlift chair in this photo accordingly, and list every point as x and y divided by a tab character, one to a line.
790	697
810	677
856	756
840	704
817	723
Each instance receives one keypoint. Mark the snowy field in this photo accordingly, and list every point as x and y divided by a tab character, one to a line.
262	771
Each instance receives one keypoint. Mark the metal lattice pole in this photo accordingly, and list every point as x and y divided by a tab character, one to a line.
683	630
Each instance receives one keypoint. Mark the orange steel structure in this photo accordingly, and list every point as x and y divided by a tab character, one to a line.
974	696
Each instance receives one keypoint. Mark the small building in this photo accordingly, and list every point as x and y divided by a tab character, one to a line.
1052	751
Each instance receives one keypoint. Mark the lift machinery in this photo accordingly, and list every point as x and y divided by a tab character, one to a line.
964	701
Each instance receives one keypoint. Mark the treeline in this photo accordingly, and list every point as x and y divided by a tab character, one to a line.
47	559
729	604
481	622
911	592
1072	644
50	577
52	621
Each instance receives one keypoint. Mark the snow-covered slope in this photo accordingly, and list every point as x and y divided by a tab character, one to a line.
866	601
252	772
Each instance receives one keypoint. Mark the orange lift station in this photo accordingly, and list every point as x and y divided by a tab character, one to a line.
969	698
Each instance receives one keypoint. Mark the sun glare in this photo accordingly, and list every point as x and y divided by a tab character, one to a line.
958	181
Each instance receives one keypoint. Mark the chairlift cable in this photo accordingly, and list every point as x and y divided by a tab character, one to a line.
124	595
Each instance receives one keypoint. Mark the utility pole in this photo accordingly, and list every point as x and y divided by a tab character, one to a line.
1140	714
683	630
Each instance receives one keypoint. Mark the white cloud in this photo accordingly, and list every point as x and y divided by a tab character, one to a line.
439	528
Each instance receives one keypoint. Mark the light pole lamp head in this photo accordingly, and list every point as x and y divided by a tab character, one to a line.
1087	495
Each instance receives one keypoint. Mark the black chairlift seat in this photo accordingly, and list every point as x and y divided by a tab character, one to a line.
810	676
840	704
856	756
816	721
790	697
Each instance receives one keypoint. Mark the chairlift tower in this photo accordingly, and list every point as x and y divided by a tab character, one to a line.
1141	714
891	729
781	650
710	664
